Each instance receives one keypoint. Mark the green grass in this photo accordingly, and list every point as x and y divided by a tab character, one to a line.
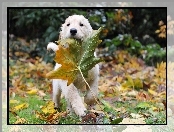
153	117
28	113
35	104
133	106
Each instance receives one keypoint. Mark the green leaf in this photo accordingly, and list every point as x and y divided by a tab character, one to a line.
143	105
50	29
53	35
88	60
116	121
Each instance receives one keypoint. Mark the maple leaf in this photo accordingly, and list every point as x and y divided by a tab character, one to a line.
75	57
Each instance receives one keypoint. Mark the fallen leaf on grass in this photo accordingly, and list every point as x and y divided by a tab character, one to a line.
160	71
51	118
20	107
138	83
142	96
143	105
89	118
20	121
13	112
32	92
48	108
132	83
116	121
155	108
152	92
12	101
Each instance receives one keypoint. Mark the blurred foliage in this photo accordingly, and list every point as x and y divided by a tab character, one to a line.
151	53
135	30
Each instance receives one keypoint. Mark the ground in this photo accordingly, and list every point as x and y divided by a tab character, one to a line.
130	92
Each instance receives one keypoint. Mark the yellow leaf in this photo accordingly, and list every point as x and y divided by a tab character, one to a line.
154	108
160	71
130	80
32	66
152	92
20	107
138	83
49	108
32	92
119	79
129	83
120	58
12	101
157	31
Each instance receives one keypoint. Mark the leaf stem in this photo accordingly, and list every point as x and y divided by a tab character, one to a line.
91	90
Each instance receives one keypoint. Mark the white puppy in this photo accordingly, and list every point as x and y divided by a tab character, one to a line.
76	26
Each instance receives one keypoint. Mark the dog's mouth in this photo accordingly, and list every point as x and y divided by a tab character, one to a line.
74	37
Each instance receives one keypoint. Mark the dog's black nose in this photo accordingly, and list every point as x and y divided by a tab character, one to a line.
73	31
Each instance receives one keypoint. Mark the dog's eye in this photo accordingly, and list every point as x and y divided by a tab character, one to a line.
68	24
81	24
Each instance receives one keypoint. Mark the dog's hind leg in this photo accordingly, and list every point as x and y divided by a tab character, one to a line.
56	93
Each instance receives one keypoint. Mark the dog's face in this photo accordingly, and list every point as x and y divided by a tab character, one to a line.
76	26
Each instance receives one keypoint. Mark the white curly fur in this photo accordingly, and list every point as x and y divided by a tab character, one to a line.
82	29
80	23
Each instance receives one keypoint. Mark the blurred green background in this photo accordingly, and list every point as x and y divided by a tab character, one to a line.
140	31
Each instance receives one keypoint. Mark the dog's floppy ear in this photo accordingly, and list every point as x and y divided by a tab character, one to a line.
60	33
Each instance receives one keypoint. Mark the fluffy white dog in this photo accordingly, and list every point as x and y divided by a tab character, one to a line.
75	26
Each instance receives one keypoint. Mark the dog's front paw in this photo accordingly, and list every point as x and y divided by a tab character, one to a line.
80	112
78	107
52	46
